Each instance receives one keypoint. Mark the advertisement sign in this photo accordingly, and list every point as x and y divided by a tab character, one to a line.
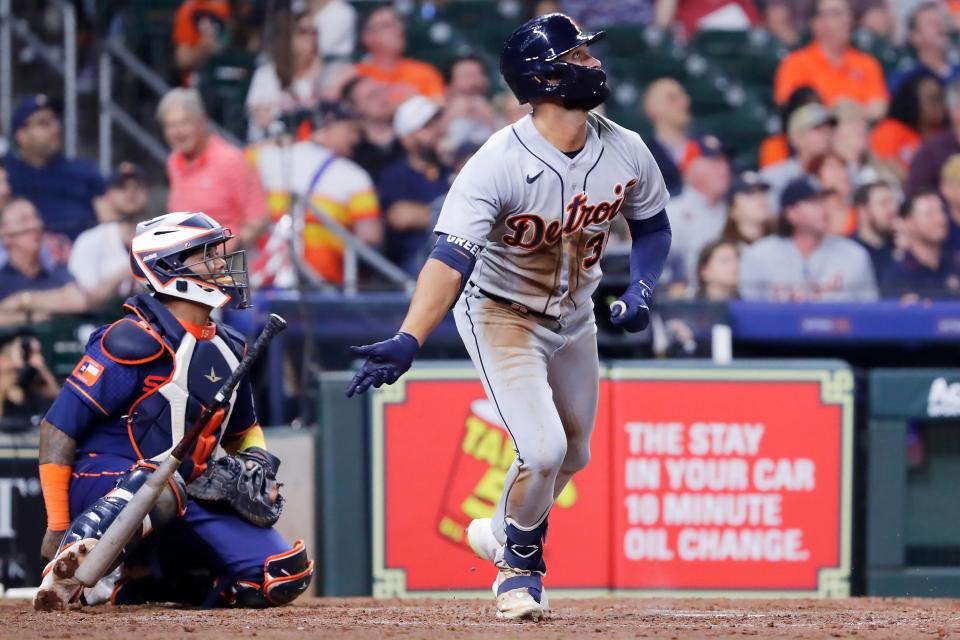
22	518
731	484
915	394
440	457
701	479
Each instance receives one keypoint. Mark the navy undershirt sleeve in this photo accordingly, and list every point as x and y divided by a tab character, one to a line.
650	244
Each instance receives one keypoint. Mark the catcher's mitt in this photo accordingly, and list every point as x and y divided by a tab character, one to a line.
247	482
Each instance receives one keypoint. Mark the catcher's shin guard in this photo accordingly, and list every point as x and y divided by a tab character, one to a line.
59	587
285	576
96	518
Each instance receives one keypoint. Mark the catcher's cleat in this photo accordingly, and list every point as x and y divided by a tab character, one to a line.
519	594
58	587
481	539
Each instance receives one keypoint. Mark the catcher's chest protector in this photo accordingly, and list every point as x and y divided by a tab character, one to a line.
191	374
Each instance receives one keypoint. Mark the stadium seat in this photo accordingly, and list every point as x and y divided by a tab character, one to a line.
224	81
886	53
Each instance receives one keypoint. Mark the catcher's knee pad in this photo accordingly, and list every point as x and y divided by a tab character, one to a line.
96	518
285	576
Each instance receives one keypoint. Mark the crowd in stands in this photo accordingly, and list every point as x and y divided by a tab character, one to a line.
856	198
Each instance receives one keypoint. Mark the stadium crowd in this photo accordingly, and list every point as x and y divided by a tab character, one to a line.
857	198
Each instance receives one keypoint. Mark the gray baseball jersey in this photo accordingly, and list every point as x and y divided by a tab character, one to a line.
544	218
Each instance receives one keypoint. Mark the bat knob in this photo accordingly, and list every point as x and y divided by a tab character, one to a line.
276	323
618	307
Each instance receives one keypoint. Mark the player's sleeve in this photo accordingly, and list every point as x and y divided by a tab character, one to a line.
244	415
98	387
478	195
647	196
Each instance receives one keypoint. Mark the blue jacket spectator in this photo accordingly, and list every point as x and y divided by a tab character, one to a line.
63	190
29	287
928	268
928	34
408	187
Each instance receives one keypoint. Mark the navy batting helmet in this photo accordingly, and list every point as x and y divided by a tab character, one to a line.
529	63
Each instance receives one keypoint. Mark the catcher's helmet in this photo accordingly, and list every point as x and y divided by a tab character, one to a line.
529	63
166	249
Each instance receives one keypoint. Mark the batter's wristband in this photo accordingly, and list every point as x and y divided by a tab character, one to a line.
55	482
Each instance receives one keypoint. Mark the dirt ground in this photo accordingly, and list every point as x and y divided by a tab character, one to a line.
679	618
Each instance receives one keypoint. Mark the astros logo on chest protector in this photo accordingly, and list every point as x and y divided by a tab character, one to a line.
530	230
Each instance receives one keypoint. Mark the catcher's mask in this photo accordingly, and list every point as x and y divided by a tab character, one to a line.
184	255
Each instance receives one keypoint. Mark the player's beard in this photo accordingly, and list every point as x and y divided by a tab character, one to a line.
586	103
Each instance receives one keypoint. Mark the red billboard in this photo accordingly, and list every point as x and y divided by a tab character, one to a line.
701	480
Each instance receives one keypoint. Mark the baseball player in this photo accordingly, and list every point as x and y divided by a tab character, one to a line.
519	243
141	383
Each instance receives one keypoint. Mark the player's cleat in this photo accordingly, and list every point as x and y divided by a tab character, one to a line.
58	587
481	539
519	595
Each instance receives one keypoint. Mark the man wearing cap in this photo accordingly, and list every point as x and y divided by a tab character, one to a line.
409	186
698	214
810	131
806	263
337	186
65	191
749	216
99	261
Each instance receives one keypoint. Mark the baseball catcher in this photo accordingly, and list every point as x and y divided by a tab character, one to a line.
141	382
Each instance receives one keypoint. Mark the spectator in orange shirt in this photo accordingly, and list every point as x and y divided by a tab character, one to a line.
384	38
918	111
206	172
831	66
199	32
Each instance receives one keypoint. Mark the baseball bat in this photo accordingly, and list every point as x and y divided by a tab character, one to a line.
121	530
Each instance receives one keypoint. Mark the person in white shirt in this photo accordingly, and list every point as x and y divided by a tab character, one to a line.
806	263
294	79
100	257
699	213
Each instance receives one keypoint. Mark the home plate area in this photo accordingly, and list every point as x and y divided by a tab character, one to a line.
678	618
